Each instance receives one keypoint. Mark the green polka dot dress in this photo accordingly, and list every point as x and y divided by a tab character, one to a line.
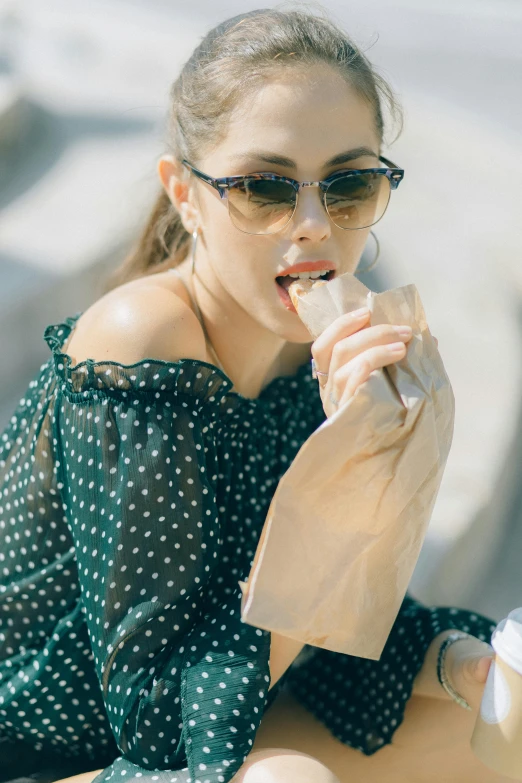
132	499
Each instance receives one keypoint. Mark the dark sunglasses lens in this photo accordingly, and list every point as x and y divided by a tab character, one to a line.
358	200
261	206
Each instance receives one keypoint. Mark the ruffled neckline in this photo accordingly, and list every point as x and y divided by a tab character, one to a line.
194	377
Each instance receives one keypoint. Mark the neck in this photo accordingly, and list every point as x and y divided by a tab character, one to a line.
251	355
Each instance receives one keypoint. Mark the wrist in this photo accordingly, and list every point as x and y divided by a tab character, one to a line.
427	682
443	667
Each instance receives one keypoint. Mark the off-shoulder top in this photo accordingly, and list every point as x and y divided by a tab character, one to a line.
132	499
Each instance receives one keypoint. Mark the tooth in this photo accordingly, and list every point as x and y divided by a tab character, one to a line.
293	275
304	275
314	275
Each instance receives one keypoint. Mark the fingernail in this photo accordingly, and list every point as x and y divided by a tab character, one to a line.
405	331
360	313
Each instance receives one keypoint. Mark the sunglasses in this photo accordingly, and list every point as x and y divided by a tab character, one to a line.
264	203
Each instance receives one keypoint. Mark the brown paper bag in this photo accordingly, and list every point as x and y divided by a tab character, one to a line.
348	519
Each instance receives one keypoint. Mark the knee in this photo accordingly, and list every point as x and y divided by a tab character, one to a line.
279	765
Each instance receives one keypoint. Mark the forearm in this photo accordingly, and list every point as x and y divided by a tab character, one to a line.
426	683
283	652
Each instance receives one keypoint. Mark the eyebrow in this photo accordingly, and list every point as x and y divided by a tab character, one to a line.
280	160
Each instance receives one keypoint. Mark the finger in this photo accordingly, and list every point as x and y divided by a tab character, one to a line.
436	342
347	379
467	668
473	677
384	334
482	668
473	668
344	326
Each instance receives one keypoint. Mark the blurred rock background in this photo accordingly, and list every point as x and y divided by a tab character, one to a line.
83	97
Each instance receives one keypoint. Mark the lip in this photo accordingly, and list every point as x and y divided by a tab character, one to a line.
307	266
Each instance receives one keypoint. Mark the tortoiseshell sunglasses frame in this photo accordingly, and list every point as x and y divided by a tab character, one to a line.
393	173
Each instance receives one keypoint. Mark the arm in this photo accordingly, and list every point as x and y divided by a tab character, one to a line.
147	514
467	666
417	635
375	693
426	682
283	652
143	516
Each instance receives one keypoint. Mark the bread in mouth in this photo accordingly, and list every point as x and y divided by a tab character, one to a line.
301	288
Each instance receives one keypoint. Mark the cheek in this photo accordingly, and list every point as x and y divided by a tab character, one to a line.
231	252
353	244
224	242
215	218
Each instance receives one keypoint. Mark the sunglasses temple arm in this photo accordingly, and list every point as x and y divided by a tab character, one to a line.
205	177
388	162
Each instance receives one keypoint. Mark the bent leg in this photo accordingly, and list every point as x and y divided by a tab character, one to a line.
432	744
272	765
281	765
85	777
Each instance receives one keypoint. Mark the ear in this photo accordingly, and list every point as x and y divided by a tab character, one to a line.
174	179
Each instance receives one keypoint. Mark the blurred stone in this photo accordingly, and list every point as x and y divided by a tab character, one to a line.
455	167
14	116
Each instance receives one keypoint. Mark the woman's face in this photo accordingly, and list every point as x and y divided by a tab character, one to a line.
308	120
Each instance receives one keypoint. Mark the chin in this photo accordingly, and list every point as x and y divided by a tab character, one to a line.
296	332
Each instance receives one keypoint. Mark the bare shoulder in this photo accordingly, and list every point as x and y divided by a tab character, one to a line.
138	320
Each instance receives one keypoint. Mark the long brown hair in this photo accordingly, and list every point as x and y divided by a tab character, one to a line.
230	62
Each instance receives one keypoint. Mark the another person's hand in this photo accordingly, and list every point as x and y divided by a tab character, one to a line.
349	351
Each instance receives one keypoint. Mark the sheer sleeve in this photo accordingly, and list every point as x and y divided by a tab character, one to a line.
139	474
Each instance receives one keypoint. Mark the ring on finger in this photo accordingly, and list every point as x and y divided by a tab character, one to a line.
316	372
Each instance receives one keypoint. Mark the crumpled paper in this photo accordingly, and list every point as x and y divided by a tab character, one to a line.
348	519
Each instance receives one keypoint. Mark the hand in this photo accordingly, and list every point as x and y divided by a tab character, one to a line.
467	667
349	351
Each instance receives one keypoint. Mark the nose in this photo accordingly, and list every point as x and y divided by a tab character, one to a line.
310	219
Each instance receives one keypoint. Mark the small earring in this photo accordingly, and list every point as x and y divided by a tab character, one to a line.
194	243
378	250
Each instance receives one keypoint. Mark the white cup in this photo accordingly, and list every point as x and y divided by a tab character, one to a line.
497	736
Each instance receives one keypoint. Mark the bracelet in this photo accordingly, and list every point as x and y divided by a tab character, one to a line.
441	670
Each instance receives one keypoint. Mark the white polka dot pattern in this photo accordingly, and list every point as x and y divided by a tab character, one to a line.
131	503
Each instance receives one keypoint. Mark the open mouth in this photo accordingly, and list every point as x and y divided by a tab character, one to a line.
284	282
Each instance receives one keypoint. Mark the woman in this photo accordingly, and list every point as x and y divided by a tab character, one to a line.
138	469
